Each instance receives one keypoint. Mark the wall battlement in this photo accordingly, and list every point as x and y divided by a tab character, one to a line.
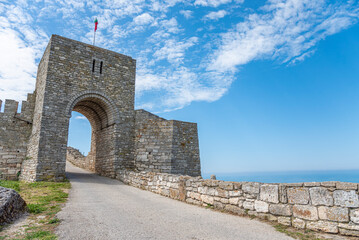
15	130
27	107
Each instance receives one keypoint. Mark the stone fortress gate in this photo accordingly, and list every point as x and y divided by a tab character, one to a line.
100	84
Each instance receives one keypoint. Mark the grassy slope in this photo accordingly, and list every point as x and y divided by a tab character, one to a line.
44	200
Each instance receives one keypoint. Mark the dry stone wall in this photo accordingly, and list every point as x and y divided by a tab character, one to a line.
75	157
331	207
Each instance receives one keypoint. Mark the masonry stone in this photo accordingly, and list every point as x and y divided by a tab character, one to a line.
321	196
354	216
100	84
261	207
346	198
251	187
298	195
298	223
337	214
269	193
305	212
324	226
280	209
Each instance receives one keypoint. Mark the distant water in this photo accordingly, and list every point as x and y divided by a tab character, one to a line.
289	176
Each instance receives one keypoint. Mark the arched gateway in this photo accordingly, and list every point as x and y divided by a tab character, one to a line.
100	84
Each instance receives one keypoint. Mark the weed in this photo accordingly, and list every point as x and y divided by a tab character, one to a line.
36	208
10	184
45	235
54	220
307	235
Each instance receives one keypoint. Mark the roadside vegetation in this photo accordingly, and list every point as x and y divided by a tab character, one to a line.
44	200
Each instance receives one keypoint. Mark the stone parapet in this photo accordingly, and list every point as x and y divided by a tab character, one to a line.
15	130
331	207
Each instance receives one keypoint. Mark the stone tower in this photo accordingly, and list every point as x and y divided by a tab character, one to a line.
100	84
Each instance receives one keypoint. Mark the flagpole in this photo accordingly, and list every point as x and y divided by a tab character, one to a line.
94	37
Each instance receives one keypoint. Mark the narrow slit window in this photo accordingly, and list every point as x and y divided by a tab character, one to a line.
101	67
93	65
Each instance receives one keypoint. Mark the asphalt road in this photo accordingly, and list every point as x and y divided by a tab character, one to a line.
103	208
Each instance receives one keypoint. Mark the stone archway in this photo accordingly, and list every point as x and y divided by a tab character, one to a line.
102	115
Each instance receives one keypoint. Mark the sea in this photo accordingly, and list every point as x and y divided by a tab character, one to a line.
289	176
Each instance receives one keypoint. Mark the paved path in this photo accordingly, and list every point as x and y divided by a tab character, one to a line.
103	208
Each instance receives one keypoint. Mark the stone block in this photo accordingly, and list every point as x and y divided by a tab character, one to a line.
349	232
347	186
311	184
225	185
207	199
222	193
321	196
218	205
234	209
328	184
336	214
329	227
251	187
235	193
261	206
349	226
269	193
346	198
248	205
234	201
305	212
298	195
285	221
283	193
280	209
272	218
354	216
298	223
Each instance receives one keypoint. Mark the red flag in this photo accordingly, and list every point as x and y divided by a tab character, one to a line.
96	23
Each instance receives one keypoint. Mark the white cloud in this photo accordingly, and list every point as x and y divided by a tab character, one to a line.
81	117
214	3
143	19
21	46
215	15
287	30
174	51
187	13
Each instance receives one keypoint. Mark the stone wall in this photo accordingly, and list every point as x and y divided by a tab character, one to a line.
331	207
15	129
166	146
75	157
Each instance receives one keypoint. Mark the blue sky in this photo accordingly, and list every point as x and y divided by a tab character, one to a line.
273	85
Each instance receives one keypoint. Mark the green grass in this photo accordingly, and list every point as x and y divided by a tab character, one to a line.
10	184
36	208
45	235
43	199
296	234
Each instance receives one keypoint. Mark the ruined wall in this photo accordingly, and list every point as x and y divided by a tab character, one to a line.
331	207
75	157
166	146
15	129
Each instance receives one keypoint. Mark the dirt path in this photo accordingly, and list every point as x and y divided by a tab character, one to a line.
103	208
